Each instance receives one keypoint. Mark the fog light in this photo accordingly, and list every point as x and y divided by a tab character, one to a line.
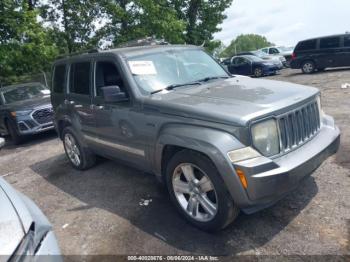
241	176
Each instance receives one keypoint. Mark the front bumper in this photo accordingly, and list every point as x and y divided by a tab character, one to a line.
271	179
29	124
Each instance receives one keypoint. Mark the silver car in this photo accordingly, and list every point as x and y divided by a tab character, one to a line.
25	232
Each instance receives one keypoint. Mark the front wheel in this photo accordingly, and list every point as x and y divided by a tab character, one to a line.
198	192
12	130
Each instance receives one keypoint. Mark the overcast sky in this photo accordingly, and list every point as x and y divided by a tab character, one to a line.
285	22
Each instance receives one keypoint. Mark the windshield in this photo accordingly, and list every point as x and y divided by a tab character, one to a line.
22	93
157	71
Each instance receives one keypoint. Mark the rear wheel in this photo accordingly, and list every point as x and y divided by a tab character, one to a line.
198	192
258	72
308	67
79	156
12	130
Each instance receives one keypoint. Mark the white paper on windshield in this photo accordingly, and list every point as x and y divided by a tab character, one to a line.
142	68
45	92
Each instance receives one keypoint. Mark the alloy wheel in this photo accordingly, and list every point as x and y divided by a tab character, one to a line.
72	149
195	192
308	67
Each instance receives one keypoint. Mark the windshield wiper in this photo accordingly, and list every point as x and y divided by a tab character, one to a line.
171	87
206	79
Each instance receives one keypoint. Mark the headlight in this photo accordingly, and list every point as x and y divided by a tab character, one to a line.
21	113
265	137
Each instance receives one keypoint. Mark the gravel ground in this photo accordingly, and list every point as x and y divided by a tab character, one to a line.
104	210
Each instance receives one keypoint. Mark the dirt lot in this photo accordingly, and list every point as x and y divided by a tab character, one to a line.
99	211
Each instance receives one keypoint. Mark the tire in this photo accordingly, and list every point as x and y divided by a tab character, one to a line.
192	193
12	130
79	156
258	72
308	67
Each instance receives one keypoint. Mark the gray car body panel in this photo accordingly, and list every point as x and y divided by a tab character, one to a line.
26	214
213	118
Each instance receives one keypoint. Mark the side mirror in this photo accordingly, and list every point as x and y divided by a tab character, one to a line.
113	94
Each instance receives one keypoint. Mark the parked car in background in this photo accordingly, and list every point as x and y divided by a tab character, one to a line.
25	232
2	142
220	143
279	61
25	109
286	52
320	53
250	65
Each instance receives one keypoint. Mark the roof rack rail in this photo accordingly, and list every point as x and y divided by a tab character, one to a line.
145	42
88	51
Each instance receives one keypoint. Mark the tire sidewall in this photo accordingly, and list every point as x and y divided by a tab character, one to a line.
83	160
12	130
225	202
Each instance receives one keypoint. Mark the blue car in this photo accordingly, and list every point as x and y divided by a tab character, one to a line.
250	65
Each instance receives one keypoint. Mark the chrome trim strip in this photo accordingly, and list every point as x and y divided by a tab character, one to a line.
116	146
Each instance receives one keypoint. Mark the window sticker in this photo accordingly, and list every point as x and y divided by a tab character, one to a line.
142	68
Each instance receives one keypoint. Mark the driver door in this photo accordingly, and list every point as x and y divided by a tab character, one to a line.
116	122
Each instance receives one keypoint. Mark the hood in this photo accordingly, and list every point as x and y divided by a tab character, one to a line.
30	104
235	100
17	214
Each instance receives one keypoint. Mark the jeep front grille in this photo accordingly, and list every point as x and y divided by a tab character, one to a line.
299	126
43	116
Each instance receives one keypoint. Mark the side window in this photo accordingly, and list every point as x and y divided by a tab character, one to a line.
306	45
59	79
265	50
107	74
79	78
273	51
347	40
329	42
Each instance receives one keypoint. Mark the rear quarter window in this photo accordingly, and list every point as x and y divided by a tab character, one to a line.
329	42
59	79
306	45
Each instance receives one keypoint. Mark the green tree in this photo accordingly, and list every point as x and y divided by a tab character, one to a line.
244	43
202	18
25	47
73	22
129	20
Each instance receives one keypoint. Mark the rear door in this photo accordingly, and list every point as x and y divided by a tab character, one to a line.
330	52
78	99
346	50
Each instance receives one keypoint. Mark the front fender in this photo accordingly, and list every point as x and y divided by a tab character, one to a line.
211	142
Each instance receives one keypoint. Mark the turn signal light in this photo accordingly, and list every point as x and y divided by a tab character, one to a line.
241	176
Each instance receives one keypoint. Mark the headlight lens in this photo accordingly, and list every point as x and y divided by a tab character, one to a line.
265	137
21	113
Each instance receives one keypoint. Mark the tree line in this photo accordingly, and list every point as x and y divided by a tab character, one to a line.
34	32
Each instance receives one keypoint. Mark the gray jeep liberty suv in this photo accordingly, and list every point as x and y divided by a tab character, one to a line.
220	143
